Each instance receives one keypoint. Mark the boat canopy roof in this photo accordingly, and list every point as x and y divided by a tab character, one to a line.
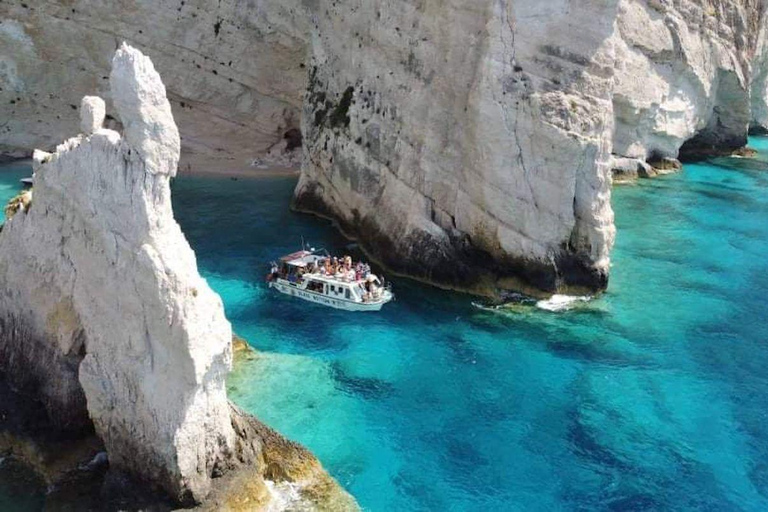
301	259
295	256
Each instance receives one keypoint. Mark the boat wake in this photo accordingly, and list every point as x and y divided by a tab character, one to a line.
555	304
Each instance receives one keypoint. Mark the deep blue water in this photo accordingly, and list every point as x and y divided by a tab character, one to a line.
653	397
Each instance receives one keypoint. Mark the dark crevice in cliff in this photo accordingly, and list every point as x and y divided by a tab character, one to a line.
726	130
37	369
340	116
293	138
707	144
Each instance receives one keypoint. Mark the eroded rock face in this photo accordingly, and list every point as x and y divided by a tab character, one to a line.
759	87
479	156
104	316
234	70
92	114
470	146
684	70
98	268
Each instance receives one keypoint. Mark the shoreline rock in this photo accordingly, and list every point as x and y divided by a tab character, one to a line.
457	266
486	164
104	317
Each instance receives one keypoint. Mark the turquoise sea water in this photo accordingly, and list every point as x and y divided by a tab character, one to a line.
652	397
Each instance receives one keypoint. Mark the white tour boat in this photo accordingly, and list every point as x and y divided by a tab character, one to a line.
317	277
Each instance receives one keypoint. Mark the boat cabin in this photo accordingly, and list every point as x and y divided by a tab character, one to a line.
330	281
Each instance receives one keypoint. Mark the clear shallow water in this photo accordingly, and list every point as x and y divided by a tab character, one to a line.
655	396
10	185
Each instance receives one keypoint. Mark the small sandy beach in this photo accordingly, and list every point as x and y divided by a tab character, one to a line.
232	166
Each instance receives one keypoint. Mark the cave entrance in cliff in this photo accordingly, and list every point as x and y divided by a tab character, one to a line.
727	127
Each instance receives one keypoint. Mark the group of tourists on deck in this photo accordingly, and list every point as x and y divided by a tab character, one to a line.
298	268
341	268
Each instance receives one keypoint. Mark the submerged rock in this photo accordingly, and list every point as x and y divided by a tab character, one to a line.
104	317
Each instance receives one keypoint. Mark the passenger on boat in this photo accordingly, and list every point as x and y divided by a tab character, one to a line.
368	295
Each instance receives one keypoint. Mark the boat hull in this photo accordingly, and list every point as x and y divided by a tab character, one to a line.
337	303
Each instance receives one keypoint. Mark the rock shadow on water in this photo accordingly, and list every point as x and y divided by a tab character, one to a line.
742	165
728	197
418	490
368	388
642	487
598	352
638	449
462	457
21	489
586	446
310	327
461	349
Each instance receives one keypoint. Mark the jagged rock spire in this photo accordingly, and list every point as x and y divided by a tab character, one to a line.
120	292
139	97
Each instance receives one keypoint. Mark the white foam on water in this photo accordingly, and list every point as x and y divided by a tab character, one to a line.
558	303
284	496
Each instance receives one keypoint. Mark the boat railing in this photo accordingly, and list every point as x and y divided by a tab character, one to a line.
336	278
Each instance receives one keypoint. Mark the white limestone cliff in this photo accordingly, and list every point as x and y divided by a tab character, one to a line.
234	69
683	77
103	314
472	146
759	85
465	144
99	264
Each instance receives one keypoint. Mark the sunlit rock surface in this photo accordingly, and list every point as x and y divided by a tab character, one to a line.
469	144
472	145
106	319
683	77
235	70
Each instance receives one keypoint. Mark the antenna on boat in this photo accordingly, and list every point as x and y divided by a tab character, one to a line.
303	247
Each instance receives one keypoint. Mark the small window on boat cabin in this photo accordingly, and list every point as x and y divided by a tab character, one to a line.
348	293
333	288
